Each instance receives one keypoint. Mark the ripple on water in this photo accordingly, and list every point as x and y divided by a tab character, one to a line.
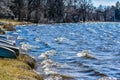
86	54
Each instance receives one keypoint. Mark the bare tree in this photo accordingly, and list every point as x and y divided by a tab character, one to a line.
85	5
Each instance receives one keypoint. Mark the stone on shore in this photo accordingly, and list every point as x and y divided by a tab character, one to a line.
27	59
9	27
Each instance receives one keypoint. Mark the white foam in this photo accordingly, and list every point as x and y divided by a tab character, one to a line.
15	33
47	54
46	61
27	46
54	78
108	78
85	53
91	30
49	71
61	39
20	38
18	31
37	39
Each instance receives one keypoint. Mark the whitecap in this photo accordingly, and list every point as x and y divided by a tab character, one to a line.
61	39
54	78
46	61
15	33
20	38
47	54
49	71
86	54
18	31
108	78
27	46
91	30
37	39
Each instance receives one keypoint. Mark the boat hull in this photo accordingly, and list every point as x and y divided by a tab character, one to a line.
7	53
7	42
15	49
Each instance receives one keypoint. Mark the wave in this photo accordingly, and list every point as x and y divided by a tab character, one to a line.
108	78
47	64
18	31
37	39
50	67
47	54
86	54
61	39
20	38
26	46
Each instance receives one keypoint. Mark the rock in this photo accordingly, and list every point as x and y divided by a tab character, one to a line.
27	59
9	27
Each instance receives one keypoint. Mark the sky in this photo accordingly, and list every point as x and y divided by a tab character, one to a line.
104	2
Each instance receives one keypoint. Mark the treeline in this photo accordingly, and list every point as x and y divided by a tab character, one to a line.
49	11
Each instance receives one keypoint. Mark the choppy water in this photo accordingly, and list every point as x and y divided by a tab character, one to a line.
85	51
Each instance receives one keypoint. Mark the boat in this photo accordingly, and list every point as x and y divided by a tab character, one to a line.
3	37
7	42
7	53
14	48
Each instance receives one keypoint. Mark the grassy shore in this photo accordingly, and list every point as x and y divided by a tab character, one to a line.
20	68
16	70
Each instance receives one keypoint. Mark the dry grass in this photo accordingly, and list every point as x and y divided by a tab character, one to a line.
11	69
9	24
14	22
27	59
7	21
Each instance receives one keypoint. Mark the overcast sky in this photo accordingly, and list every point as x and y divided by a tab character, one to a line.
104	2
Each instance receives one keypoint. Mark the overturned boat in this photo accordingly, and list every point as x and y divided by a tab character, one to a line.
3	37
7	42
14	48
7	53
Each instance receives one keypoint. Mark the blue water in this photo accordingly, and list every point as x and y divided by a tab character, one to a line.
101	39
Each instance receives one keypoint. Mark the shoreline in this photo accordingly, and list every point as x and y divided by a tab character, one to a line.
29	62
20	68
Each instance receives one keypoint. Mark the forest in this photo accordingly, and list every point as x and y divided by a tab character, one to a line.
58	11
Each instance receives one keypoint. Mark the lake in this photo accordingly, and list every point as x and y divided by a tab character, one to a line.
85	51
